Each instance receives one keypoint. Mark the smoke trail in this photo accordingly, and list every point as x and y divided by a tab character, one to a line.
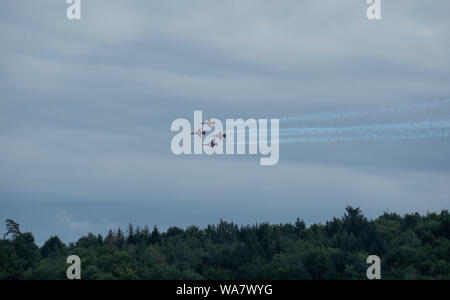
368	129
366	113
412	135
361	129
390	131
393	131
428	134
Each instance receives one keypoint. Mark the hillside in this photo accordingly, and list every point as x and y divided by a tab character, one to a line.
410	247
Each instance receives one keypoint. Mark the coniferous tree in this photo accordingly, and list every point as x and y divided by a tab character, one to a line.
110	239
156	236
120	238
130	234
12	229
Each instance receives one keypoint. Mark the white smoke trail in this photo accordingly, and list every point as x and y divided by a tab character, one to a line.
389	131
429	134
368	129
366	113
374	132
360	129
413	135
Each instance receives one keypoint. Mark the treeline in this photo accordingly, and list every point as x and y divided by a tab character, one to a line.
410	247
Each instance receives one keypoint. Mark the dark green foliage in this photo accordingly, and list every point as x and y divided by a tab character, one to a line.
53	248
411	247
12	229
19	255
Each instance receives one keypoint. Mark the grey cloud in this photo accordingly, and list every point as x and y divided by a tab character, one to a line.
86	107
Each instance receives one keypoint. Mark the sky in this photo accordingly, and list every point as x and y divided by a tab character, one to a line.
86	108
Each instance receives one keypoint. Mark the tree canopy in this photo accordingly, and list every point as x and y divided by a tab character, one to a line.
410	247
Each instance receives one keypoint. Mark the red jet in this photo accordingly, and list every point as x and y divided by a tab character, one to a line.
212	144
199	132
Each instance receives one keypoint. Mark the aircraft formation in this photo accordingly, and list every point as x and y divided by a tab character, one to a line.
210	124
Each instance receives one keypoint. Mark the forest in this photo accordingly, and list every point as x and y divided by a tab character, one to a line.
411	247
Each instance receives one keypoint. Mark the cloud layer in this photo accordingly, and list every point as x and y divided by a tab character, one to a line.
86	107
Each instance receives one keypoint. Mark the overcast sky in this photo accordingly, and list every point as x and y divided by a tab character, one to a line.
86	108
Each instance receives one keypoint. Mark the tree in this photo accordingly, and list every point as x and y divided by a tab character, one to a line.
156	236
12	229
110	239
120	238
130	234
53	248
444	228
299	227
354	221
26	250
